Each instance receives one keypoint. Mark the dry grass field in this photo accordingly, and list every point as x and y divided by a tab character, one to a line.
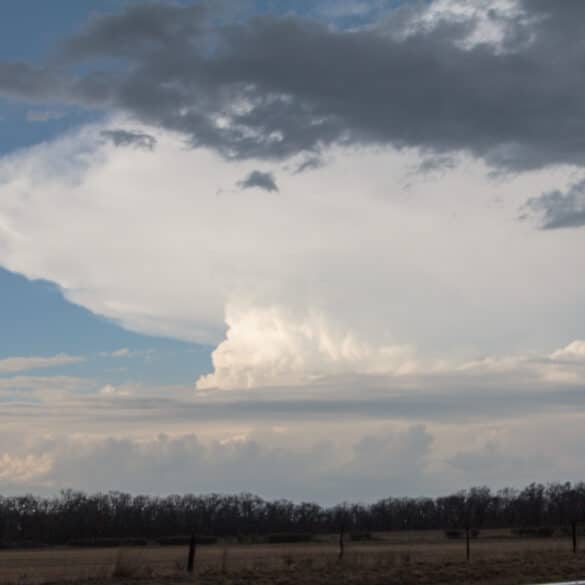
401	558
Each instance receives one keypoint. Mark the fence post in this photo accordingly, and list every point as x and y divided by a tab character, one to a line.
191	557
341	543
574	535
467	544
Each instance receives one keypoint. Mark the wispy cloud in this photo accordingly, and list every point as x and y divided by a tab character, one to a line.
122	352
22	364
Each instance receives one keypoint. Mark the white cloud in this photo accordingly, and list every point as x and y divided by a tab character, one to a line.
18	470
573	351
488	20
22	364
266	347
125	352
353	267
122	352
110	390
40	383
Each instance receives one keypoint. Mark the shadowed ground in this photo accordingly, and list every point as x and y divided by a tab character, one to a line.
405	558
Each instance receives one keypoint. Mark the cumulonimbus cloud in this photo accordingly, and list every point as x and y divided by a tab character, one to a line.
266	346
350	269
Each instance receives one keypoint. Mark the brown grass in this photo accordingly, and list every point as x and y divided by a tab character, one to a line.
408	559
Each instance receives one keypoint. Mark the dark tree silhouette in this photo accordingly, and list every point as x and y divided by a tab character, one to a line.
75	516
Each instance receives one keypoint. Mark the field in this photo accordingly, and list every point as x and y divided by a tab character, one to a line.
401	558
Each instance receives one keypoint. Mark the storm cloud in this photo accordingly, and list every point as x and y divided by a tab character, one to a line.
501	82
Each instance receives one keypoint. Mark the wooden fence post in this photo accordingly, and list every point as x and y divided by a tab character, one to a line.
191	557
574	535
467	544
341	543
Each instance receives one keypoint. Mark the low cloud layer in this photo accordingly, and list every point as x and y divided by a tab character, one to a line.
184	463
346	437
357	463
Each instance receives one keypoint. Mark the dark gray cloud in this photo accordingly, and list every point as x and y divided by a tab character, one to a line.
434	164
274	86
309	164
36	116
34	82
139	30
259	180
558	209
127	138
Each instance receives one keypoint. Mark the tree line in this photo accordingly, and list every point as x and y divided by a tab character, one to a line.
74	515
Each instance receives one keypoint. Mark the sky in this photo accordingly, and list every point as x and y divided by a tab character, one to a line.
319	250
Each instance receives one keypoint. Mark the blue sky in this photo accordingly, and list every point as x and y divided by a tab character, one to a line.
46	25
38	321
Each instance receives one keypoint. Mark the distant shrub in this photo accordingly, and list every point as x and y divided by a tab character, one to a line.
361	536
568	531
248	539
107	542
534	531
284	537
22	544
454	534
201	539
